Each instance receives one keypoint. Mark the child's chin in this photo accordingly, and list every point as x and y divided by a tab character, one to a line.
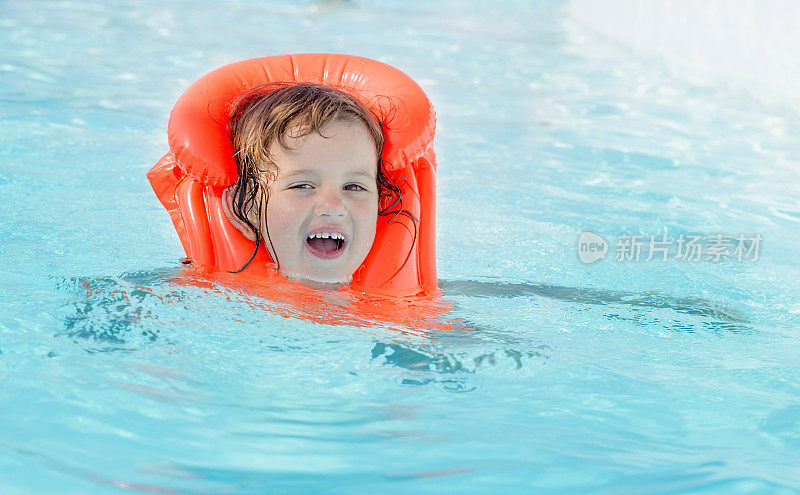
319	281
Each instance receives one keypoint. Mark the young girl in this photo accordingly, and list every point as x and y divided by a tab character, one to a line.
310	178
321	165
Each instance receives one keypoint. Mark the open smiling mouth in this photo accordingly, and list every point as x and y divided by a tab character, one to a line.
326	245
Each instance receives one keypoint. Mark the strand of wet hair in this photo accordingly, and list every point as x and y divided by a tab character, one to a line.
389	184
238	210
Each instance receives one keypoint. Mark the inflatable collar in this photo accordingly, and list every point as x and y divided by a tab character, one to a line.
190	178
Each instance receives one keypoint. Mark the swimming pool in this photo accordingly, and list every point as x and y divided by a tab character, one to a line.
612	377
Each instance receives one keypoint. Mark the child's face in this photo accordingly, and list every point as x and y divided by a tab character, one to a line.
323	204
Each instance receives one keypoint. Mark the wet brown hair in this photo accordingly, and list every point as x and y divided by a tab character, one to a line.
268	114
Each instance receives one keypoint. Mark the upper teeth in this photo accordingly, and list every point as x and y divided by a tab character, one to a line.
327	235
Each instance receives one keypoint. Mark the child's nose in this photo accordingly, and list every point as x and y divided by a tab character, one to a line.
329	203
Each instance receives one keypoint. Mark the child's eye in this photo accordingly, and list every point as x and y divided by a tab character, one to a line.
300	186
354	187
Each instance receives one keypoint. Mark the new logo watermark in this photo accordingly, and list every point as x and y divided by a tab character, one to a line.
591	247
661	247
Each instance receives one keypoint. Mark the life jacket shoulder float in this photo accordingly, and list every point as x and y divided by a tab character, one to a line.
189	180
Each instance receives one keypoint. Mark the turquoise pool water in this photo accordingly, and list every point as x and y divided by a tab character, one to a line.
641	377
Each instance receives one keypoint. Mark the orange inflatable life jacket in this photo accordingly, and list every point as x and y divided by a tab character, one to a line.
189	180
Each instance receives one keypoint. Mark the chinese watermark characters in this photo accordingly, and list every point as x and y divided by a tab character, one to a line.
661	247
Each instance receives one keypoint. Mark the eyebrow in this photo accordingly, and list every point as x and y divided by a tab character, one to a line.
312	172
